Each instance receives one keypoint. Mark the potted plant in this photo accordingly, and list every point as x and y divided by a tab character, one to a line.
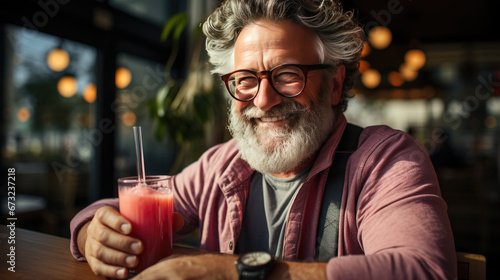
190	110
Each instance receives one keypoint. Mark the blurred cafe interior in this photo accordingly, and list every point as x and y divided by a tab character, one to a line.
76	76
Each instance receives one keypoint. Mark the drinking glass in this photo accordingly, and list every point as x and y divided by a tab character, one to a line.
148	205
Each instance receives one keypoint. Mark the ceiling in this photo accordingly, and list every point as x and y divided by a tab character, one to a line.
459	33
431	21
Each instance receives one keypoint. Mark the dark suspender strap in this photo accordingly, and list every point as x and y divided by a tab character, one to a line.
328	223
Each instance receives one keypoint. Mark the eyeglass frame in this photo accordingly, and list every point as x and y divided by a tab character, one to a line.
268	74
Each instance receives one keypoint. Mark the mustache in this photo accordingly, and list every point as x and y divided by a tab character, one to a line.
289	107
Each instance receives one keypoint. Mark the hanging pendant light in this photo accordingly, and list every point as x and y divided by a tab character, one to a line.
23	114
371	78
380	37
90	93
395	79
67	86
408	73
123	77
415	59
58	59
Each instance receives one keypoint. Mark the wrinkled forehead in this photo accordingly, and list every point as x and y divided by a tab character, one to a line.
270	41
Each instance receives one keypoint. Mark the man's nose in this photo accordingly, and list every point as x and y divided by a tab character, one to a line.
267	97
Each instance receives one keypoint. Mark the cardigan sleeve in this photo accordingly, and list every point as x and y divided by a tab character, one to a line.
395	223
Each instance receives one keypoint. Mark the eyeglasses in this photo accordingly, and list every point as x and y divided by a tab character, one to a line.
288	80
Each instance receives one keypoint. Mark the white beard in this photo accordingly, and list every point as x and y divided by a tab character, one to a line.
281	149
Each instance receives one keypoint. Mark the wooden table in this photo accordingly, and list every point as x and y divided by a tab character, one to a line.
43	256
40	256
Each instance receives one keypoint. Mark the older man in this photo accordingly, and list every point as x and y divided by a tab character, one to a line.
288	65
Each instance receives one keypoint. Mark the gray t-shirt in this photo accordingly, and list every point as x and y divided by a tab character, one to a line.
264	220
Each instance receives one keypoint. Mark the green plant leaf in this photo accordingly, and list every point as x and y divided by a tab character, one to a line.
182	108
175	24
161	95
180	26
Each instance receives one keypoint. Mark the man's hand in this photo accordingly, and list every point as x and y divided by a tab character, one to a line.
105	243
107	246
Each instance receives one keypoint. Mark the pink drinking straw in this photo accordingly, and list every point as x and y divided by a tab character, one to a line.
141	172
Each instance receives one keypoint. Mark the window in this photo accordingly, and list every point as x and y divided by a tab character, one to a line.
50	99
62	127
141	80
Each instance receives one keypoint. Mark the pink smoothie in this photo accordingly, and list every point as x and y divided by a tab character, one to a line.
150	213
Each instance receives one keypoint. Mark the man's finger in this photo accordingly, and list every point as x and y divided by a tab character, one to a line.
112	239
111	256
112	219
101	269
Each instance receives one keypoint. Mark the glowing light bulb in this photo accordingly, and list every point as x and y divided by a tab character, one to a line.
129	118
58	60
415	59
370	78
380	37
123	77
409	74
67	86
23	114
395	79
90	93
366	50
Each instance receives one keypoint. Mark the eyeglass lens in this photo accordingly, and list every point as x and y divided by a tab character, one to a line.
286	80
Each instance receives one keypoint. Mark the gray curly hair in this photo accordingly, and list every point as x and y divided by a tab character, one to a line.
340	37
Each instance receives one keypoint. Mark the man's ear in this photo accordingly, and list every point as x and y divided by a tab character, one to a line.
338	82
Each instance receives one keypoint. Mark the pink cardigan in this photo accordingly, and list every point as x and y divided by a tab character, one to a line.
393	221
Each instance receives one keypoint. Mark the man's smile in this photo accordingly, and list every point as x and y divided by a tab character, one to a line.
276	120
